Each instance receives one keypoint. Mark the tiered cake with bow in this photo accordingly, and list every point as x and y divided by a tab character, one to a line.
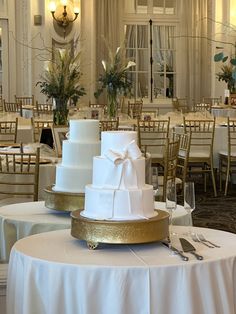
118	190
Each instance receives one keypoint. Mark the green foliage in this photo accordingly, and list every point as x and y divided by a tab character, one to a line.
61	80
227	75
115	78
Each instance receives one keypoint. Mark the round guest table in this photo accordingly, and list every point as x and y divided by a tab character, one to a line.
18	221
56	273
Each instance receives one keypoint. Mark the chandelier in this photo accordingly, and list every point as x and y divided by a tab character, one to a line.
63	15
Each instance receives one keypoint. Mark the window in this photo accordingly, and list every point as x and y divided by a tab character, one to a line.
150	29
152	47
163	7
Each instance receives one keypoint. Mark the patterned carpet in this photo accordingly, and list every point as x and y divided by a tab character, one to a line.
214	212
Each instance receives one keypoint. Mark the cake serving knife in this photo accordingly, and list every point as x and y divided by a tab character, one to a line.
176	251
189	248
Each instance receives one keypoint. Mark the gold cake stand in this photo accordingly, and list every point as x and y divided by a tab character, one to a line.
63	201
119	232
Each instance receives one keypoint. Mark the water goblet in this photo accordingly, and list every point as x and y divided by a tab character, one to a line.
189	202
171	203
155	180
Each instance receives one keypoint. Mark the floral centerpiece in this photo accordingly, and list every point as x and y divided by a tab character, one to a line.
61	82
115	79
227	75
228	71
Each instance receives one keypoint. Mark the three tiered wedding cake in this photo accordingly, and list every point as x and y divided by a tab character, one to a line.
118	190
75	170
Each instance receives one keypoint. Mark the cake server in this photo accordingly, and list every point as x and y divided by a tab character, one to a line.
189	248
176	251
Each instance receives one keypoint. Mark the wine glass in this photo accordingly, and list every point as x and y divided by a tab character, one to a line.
155	180
189	201
171	202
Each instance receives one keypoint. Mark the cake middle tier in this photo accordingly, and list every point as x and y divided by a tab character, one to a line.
129	172
72	179
79	154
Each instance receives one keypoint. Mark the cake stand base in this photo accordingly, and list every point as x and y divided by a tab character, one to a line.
119	232
63	201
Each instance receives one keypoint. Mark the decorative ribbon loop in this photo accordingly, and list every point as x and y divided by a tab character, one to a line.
123	175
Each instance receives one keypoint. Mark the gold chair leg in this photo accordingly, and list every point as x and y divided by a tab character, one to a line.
227	178
213	179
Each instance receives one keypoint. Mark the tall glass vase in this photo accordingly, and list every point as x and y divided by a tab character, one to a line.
112	104
60	112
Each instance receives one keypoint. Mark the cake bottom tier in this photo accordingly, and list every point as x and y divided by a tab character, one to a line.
109	204
72	179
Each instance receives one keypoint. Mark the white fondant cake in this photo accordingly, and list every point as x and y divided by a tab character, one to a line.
118	190
75	170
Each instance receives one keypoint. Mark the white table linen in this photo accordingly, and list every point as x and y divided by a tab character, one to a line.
18	221
55	273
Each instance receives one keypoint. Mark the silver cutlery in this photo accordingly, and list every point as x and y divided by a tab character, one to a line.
189	248
176	251
204	240
196	239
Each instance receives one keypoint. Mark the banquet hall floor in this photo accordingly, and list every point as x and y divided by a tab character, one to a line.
214	212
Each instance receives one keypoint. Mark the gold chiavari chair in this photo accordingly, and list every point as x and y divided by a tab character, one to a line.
180	104
183	157
227	159
19	176
135	109
109	125
152	137
201	147
201	107
25	100
8	131
45	109
12	107
211	100
170	167
38	126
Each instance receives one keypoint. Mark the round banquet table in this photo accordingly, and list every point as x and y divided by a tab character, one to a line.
56	273
18	221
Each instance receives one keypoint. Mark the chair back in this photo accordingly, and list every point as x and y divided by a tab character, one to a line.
109	125
25	100
201	107
170	163
183	156
12	107
211	100
38	126
202	134
43	109
135	109
180	104
152	137
19	174
8	131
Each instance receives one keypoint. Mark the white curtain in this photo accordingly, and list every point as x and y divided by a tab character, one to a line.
109	16
194	50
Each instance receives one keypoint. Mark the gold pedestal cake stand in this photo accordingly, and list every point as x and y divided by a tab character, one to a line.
119	232
63	201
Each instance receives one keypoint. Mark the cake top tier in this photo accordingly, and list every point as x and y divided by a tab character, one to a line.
116	140
84	130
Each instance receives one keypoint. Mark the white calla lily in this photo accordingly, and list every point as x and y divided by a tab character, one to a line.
117	50
104	65
130	64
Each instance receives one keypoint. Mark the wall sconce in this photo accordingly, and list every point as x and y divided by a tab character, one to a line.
64	17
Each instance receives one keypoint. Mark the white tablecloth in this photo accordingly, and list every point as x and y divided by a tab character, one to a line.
18	221
223	112
55	273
